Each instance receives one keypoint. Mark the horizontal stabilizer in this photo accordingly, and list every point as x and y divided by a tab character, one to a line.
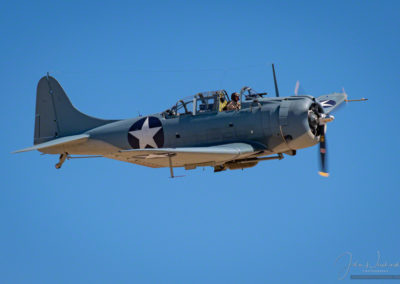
332	101
69	140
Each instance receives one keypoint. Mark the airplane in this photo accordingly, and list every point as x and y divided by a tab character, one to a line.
195	132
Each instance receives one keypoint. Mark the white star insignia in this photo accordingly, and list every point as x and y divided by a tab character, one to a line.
327	103
146	135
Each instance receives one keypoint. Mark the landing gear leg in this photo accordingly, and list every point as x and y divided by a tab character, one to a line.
63	157
171	168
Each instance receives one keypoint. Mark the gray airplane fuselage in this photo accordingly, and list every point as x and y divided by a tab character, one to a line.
277	124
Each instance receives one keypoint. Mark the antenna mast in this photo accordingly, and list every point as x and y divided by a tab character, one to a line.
276	84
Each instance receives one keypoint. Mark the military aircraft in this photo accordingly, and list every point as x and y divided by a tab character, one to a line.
195	132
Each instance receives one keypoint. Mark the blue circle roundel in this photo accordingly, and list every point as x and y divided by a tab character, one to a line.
147	132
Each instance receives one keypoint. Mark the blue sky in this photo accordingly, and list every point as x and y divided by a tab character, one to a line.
103	221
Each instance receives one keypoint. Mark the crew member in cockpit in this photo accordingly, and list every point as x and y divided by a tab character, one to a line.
234	104
222	102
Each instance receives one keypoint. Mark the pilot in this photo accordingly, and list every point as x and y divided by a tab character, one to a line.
234	104
222	102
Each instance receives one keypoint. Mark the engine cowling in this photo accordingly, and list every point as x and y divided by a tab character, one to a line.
299	118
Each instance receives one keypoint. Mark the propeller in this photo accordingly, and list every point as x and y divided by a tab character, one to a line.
317	120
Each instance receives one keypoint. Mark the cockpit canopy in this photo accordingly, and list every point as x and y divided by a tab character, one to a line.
207	102
199	103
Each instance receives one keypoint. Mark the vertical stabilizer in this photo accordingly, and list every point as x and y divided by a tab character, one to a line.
55	116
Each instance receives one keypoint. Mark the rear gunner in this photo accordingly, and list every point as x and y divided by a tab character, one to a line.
234	104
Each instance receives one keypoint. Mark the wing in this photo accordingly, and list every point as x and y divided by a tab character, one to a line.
189	157
332	101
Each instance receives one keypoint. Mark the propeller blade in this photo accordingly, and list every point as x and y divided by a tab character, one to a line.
296	88
323	155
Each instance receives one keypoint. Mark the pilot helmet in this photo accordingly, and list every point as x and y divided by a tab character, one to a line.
235	97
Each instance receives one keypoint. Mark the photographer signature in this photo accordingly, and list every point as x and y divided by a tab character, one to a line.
378	267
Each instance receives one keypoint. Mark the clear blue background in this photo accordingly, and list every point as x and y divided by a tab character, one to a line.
104	221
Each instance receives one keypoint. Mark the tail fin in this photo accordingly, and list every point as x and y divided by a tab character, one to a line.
55	115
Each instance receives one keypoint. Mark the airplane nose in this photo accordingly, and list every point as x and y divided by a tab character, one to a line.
300	124
306	119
